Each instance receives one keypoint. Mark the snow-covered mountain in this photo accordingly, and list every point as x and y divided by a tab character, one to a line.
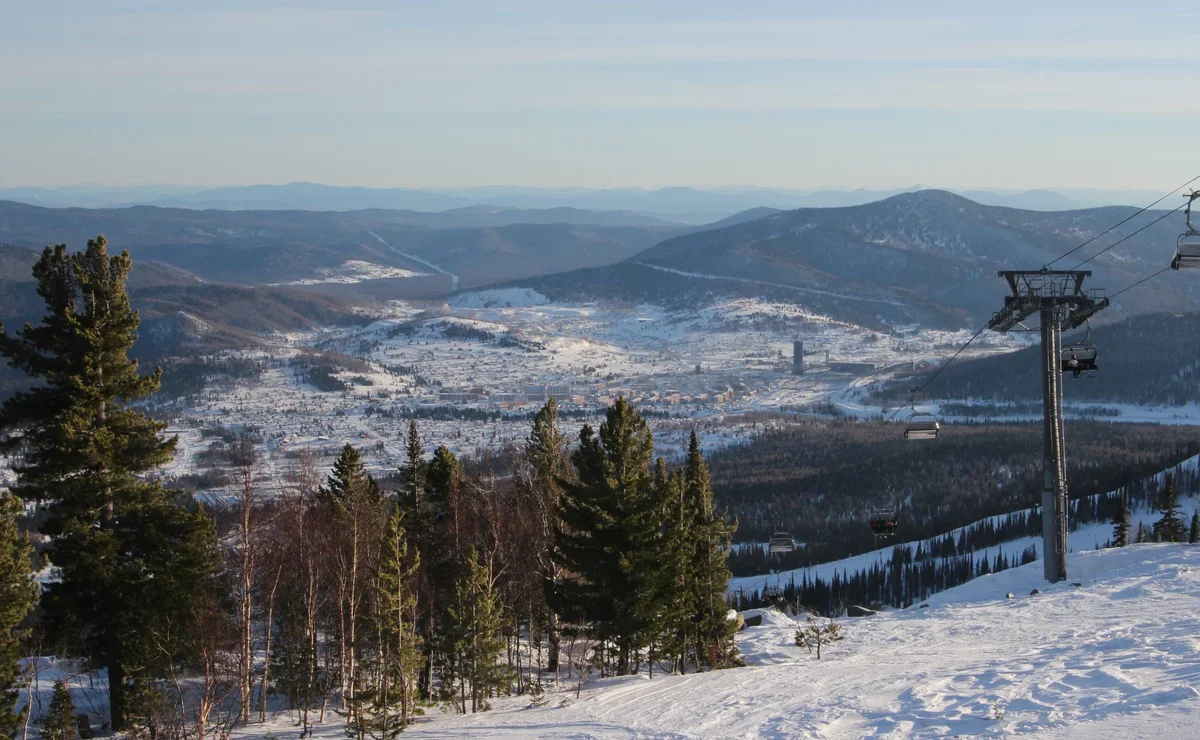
929	256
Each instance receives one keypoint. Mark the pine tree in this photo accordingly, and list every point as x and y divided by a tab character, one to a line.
545	457
611	535
59	722
389	704
1120	522
359	511
676	594
1141	534
18	595
471	640
131	560
1194	530
710	574
1170	527
413	472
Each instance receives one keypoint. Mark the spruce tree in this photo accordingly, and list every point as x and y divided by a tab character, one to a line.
710	574
1170	527
359	511
413	473
471	641
676	608
545	458
131	560
18	595
611	537
59	722
1120	522
1141	534
390	702
1194	529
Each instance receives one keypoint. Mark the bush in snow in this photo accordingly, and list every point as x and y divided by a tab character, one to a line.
817	633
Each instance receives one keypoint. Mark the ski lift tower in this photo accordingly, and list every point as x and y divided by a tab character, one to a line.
1060	300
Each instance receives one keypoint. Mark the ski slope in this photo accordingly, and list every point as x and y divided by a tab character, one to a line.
1116	657
1087	537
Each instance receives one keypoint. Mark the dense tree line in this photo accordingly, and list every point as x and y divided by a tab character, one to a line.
1148	359
338	594
821	480
913	573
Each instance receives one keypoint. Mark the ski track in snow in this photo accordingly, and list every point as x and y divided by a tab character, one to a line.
1117	657
814	291
414	258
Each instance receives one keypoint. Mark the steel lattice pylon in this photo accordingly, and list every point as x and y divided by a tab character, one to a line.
1062	304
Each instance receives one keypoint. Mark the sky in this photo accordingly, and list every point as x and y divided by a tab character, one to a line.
409	93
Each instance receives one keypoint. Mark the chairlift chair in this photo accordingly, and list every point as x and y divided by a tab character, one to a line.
1187	248
782	542
1079	360
883	523
919	426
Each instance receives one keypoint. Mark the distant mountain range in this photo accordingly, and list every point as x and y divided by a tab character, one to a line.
675	204
929	257
459	248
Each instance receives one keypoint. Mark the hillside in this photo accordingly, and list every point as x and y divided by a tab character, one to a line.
267	247
1150	359
1111	657
821	479
178	310
929	257
480	256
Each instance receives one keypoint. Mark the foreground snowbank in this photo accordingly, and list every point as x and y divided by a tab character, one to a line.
1117	656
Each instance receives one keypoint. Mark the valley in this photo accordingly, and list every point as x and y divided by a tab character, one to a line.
473	370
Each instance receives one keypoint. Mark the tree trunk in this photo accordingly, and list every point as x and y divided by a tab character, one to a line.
555	638
352	610
270	628
116	695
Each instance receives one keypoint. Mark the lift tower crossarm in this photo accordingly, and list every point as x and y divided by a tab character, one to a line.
1058	296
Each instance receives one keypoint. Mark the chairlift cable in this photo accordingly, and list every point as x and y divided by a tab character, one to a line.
1148	277
1137	213
1130	236
1122	223
946	364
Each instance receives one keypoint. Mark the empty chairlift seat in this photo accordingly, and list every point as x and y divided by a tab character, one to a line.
1187	253
782	542
1077	360
921	426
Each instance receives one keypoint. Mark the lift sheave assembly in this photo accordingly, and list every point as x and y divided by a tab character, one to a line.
1187	248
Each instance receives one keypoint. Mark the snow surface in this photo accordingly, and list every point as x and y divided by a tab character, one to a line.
1117	656
354	271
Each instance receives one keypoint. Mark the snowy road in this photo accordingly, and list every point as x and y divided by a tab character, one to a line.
414	258
812	291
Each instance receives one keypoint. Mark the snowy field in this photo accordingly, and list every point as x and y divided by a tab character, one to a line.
1114	652
425	355
354	271
1116	657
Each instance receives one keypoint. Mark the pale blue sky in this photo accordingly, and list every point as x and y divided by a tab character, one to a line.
600	94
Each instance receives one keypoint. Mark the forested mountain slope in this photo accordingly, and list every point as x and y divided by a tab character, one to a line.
821	479
260	247
178	310
928	256
1150	359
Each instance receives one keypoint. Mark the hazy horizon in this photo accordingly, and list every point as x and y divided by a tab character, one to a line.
780	95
